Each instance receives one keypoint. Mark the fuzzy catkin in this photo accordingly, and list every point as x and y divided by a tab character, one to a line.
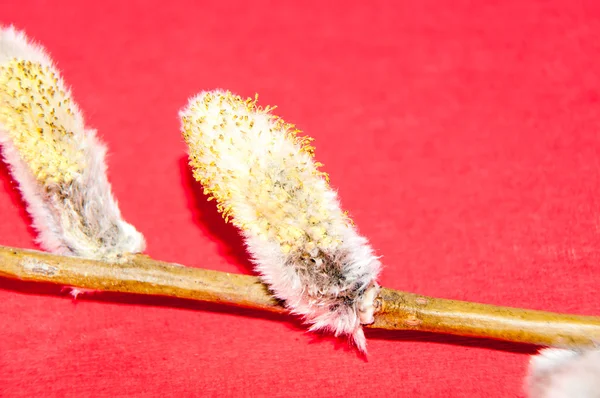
262	175
559	373
57	161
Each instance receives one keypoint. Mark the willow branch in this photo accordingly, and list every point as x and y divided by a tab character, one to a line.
397	310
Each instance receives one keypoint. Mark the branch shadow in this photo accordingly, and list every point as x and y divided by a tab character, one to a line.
448	339
207	218
131	299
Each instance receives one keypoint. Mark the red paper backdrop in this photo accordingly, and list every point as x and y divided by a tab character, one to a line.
463	137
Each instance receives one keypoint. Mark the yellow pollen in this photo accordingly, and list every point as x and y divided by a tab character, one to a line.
32	111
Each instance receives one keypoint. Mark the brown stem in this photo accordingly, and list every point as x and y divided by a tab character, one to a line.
138	274
396	310
409	311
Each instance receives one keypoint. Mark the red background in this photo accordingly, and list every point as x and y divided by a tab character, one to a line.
463	137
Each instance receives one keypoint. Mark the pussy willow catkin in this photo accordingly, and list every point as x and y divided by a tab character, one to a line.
57	161
261	173
555	373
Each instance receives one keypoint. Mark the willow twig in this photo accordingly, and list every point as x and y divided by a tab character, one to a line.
139	274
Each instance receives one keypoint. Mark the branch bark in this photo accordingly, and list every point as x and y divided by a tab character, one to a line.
139	274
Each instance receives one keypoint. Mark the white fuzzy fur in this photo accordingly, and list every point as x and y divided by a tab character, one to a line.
559	373
302	244
84	220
